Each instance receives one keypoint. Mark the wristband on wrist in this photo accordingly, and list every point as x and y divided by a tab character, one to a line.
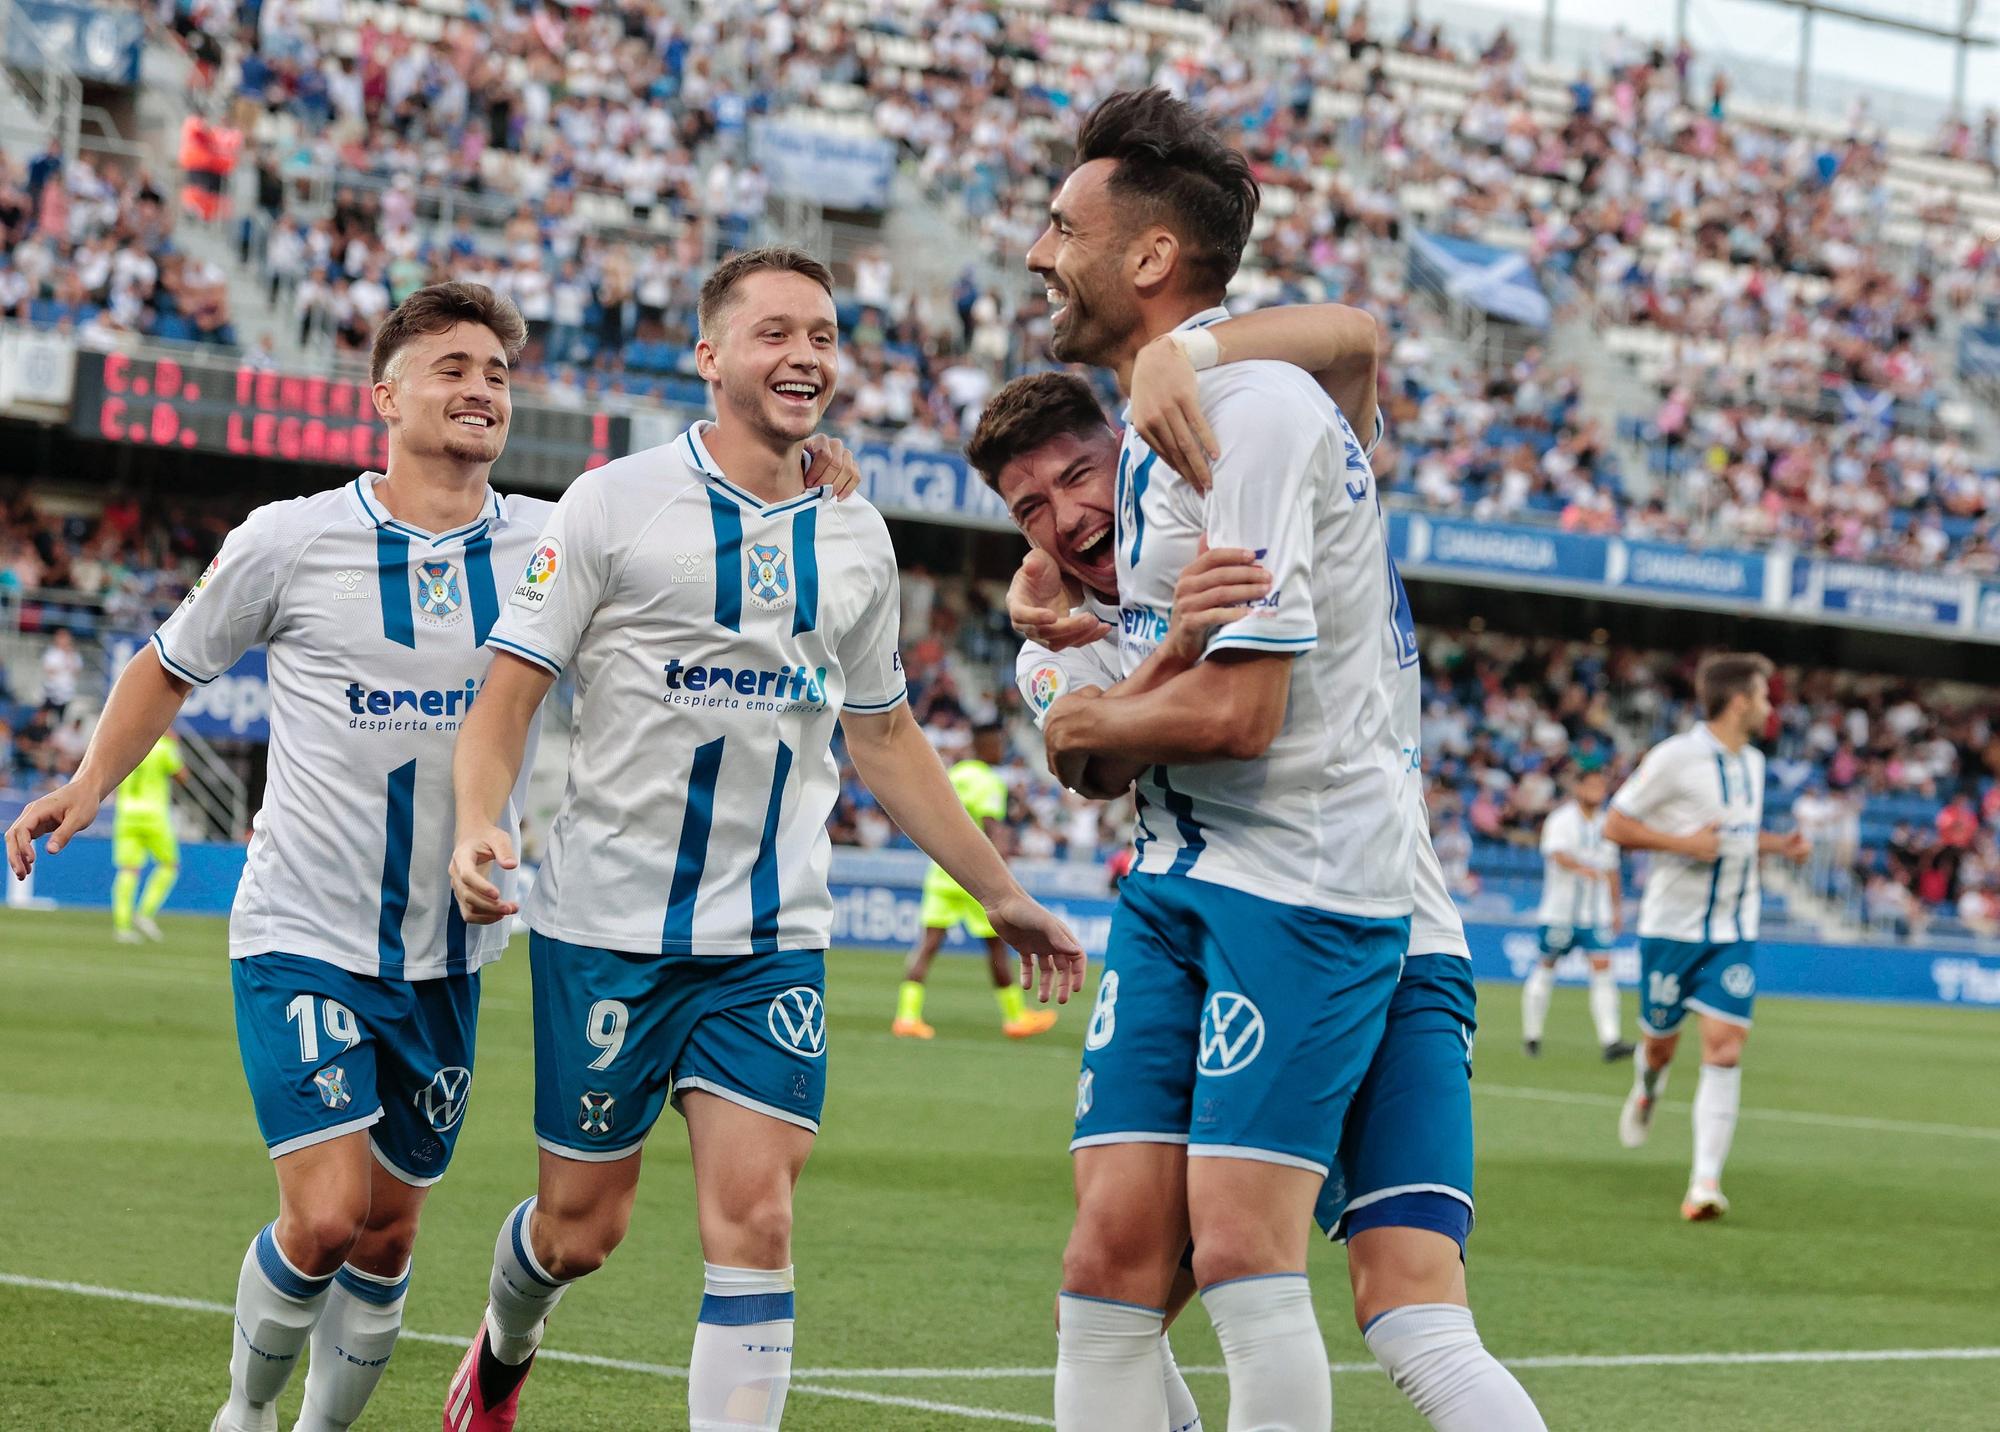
1202	348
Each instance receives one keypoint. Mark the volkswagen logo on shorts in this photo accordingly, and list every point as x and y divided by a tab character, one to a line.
1232	1033
1740	981
1086	1092
442	1101
798	1021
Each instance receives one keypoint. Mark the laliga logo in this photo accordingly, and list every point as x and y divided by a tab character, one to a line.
798	1021
442	1101
1232	1033
1044	686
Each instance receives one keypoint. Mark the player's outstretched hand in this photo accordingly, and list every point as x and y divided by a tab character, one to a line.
478	897
1795	847
832	465
1038	605
1051	955
1166	412
59	815
1215	589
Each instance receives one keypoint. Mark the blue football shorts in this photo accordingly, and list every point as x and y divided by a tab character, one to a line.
618	1034
1676	976
1239	1026
328	1052
1559	940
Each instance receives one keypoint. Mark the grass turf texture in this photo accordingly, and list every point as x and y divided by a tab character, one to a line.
932	1216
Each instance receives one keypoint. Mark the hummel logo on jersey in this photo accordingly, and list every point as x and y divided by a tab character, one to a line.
688	568
770	578
347	584
442	1101
1232	1033
798	1021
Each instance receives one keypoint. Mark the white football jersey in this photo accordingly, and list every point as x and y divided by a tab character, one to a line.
715	642
1325	817
1685	784
377	636
1568	899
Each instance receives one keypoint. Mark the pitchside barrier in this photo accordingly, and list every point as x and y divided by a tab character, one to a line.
876	898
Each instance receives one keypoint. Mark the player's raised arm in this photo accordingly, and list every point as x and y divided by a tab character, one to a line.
1333	342
141	707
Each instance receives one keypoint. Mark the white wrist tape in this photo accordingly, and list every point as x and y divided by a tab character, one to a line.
1200	346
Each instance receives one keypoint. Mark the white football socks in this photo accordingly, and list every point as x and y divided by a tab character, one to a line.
1108	1373
1604	1005
1535	994
351	1345
1182	1414
742	1362
521	1294
276	1307
1432	1353
1278	1375
1717	1095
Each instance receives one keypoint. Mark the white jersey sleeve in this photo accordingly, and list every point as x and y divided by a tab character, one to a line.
1263	499
565	578
234	605
869	651
1651	790
1046	676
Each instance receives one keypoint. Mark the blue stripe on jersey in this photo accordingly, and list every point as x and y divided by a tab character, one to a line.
1139	804
398	830
1193	842
485	596
526	653
1139	479
392	570
454	935
728	524
805	568
677	934
764	873
1749	861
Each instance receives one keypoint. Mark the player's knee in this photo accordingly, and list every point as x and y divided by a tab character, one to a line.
573	1240
758	1233
1226	1254
318	1240
1111	1257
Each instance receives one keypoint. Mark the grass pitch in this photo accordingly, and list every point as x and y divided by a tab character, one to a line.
1866	1184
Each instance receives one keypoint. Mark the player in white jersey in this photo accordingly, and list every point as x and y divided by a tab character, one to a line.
1697	803
356	981
1582	908
1401	1195
720	616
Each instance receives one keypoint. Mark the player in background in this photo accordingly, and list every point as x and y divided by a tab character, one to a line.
356	984
1582	908
1401	1195
982	790
1697	803
720	615
142	828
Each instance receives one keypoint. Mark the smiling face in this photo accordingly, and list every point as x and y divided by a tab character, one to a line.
1081	256
1063	496
447	395
776	356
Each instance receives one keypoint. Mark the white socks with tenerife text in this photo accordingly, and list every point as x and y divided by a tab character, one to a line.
276	1307
742	1362
351	1345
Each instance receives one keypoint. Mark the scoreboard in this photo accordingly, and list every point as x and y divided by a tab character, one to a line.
207	405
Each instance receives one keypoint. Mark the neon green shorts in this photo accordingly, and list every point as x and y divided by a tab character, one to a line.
132	841
946	904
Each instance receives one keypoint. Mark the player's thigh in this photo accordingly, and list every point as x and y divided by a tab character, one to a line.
1393	1266
1295	1005
1137	1079
1667	972
308	1051
323	1192
1722	986
161	845
746	1164
1722	1041
608	1027
423	1071
1406	1153
759	1041
1131	1221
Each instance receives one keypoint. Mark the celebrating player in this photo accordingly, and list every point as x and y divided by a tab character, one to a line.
142	826
1582	909
1402	1192
721	615
356	982
1697	802
983	792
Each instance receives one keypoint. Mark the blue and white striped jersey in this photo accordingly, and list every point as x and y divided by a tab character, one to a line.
1685	784
715	641
1568	899
377	646
1326	817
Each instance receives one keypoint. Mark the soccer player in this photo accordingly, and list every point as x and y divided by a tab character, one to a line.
1697	803
356	982
720	616
142	827
983	792
1582	909
1401	1194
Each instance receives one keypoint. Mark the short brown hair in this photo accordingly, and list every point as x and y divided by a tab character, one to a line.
1028	412
437	309
1724	676
772	258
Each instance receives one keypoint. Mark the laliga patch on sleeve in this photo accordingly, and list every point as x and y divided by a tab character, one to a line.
1045	684
540	578
202	580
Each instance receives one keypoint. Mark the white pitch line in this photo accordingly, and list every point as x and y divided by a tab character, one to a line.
805	1378
1750	1111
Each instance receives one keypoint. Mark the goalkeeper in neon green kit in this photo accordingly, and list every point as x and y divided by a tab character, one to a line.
983	792
142	827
